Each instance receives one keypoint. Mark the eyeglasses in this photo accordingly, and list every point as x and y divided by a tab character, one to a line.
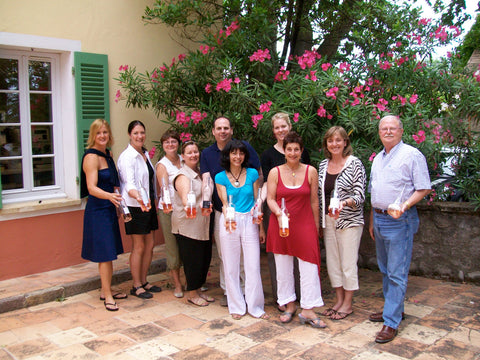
170	142
390	129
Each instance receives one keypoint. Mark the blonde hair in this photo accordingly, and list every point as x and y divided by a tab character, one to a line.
94	127
281	116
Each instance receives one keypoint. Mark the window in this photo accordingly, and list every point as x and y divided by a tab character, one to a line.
28	125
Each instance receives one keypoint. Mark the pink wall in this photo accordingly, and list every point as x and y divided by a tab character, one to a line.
43	243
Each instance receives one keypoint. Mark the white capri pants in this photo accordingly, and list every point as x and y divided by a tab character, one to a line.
310	289
342	254
244	240
216	233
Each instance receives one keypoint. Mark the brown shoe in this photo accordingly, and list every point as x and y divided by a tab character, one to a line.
378	317
386	334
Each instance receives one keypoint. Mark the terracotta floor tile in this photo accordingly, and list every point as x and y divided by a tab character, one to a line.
179	322
273	349
73	352
262	331
451	349
324	352
468	336
37	317
8	338
187	338
152	350
71	336
142	316
31	347
199	352
220	327
350	341
35	331
107	326
10	322
232	343
109	344
422	334
4	355
372	354
144	332
455	312
402	347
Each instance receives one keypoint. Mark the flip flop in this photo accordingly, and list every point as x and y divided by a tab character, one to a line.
207	298
110	306
116	296
198	301
329	312
236	316
316	323
289	316
339	315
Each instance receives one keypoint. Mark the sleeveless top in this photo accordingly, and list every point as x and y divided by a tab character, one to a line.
172	171
302	241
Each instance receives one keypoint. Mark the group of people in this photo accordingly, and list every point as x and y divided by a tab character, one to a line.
221	193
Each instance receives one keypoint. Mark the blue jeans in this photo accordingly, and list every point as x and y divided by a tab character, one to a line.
394	240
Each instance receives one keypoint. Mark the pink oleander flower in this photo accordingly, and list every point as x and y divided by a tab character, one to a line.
230	29
398	44
282	74
372	156
173	62
321	111
343	67
419	137
311	76
184	137
457	30
265	107
182	118
308	59
181	57
151	153
326	66
256	119
331	93
296	117
413	98
384	65
382	104
118	96
154	75
225	85
355	102
401	60
236	80
424	21
441	34
204	49
197	116
329	117
208	88
123	68
260	55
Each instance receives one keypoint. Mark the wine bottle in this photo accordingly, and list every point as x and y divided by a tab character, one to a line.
284	226
206	196
145	199
230	222
166	199
334	203
123	209
191	203
257	209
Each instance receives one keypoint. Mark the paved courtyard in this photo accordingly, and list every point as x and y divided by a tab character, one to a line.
442	322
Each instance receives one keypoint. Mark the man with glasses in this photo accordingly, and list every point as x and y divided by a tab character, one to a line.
399	176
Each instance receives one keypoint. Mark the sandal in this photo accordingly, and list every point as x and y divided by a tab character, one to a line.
339	315
116	296
264	316
316	323
207	298
143	295
111	306
152	288
198	301
329	312
289	316
236	316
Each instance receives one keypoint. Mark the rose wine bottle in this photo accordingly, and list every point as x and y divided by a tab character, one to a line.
123	209
230	222
145	199
206	196
191	203
257	209
166	199
334	203
284	226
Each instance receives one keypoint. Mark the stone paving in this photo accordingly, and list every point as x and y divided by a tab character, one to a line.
442	322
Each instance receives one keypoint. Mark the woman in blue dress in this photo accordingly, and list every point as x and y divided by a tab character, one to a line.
102	241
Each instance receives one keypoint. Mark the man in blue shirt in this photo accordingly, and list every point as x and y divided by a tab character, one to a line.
399	176
210	166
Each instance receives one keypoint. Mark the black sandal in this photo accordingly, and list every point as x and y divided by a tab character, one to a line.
152	288
143	295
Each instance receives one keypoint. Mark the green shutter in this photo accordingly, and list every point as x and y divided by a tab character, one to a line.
91	94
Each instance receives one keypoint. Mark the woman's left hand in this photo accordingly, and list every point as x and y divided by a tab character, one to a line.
115	199
261	235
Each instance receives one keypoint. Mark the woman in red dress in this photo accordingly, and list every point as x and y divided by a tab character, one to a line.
297	183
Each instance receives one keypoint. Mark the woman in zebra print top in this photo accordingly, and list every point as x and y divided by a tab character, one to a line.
343	172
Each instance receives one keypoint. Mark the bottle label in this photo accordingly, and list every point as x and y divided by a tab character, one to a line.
334	202
230	213
166	197
191	198
206	204
284	221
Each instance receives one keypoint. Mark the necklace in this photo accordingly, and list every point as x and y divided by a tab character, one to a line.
293	171
237	183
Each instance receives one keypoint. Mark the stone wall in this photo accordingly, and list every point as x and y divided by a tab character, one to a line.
447	244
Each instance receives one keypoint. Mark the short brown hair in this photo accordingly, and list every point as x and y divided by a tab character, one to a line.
292	138
343	134
94	127
170	134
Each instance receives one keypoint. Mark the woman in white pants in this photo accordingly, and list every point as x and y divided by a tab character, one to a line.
243	238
